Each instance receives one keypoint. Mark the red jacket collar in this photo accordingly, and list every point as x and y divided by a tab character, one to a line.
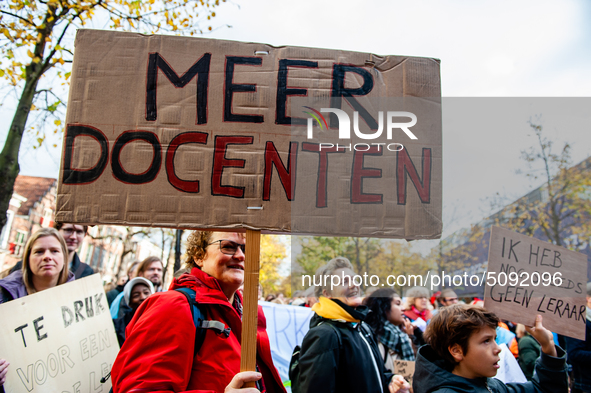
207	288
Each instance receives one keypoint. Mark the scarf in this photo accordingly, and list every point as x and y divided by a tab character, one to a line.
398	341
336	310
422	314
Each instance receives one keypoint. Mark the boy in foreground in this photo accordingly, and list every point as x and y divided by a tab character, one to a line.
462	356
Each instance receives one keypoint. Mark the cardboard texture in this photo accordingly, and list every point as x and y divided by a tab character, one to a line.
186	132
406	368
542	278
59	340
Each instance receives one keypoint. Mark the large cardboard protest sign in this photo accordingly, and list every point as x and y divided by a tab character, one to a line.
59	340
199	133
527	276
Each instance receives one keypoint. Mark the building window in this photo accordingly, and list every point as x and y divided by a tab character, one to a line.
97	260
19	242
46	221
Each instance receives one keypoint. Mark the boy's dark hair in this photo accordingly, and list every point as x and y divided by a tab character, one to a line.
59	225
454	325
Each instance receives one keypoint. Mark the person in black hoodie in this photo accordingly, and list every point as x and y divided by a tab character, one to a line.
462	356
339	352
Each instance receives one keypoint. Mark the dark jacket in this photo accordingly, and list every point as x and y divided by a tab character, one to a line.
12	287
113	293
351	367
529	351
121	324
431	376
579	356
79	268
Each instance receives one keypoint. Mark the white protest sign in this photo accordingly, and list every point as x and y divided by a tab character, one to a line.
59	340
286	327
527	276
509	370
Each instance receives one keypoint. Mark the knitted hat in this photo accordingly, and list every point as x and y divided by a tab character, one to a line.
132	283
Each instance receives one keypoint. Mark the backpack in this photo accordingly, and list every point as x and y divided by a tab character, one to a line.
201	325
294	363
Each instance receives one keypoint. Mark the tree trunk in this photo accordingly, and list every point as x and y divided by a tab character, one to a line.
9	167
177	250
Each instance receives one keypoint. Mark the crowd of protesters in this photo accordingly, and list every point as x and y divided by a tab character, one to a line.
355	337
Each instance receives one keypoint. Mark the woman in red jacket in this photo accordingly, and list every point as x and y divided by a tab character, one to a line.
158	354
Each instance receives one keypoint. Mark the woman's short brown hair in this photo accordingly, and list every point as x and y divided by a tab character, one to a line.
454	325
197	247
27	273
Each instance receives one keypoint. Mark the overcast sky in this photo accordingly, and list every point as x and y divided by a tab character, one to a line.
487	49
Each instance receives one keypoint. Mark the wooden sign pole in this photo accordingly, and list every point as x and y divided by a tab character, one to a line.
250	305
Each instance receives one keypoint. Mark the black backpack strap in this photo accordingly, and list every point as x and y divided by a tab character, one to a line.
201	325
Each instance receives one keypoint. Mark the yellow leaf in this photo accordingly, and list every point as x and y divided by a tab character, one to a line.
57	122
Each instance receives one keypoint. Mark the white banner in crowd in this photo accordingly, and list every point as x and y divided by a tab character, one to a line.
509	370
59	340
286	327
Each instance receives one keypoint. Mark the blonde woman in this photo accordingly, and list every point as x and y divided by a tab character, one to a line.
44	267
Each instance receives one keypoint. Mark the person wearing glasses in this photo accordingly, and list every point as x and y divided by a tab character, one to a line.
446	298
73	235
159	351
417	312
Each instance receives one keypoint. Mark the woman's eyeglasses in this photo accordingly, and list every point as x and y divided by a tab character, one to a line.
229	247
